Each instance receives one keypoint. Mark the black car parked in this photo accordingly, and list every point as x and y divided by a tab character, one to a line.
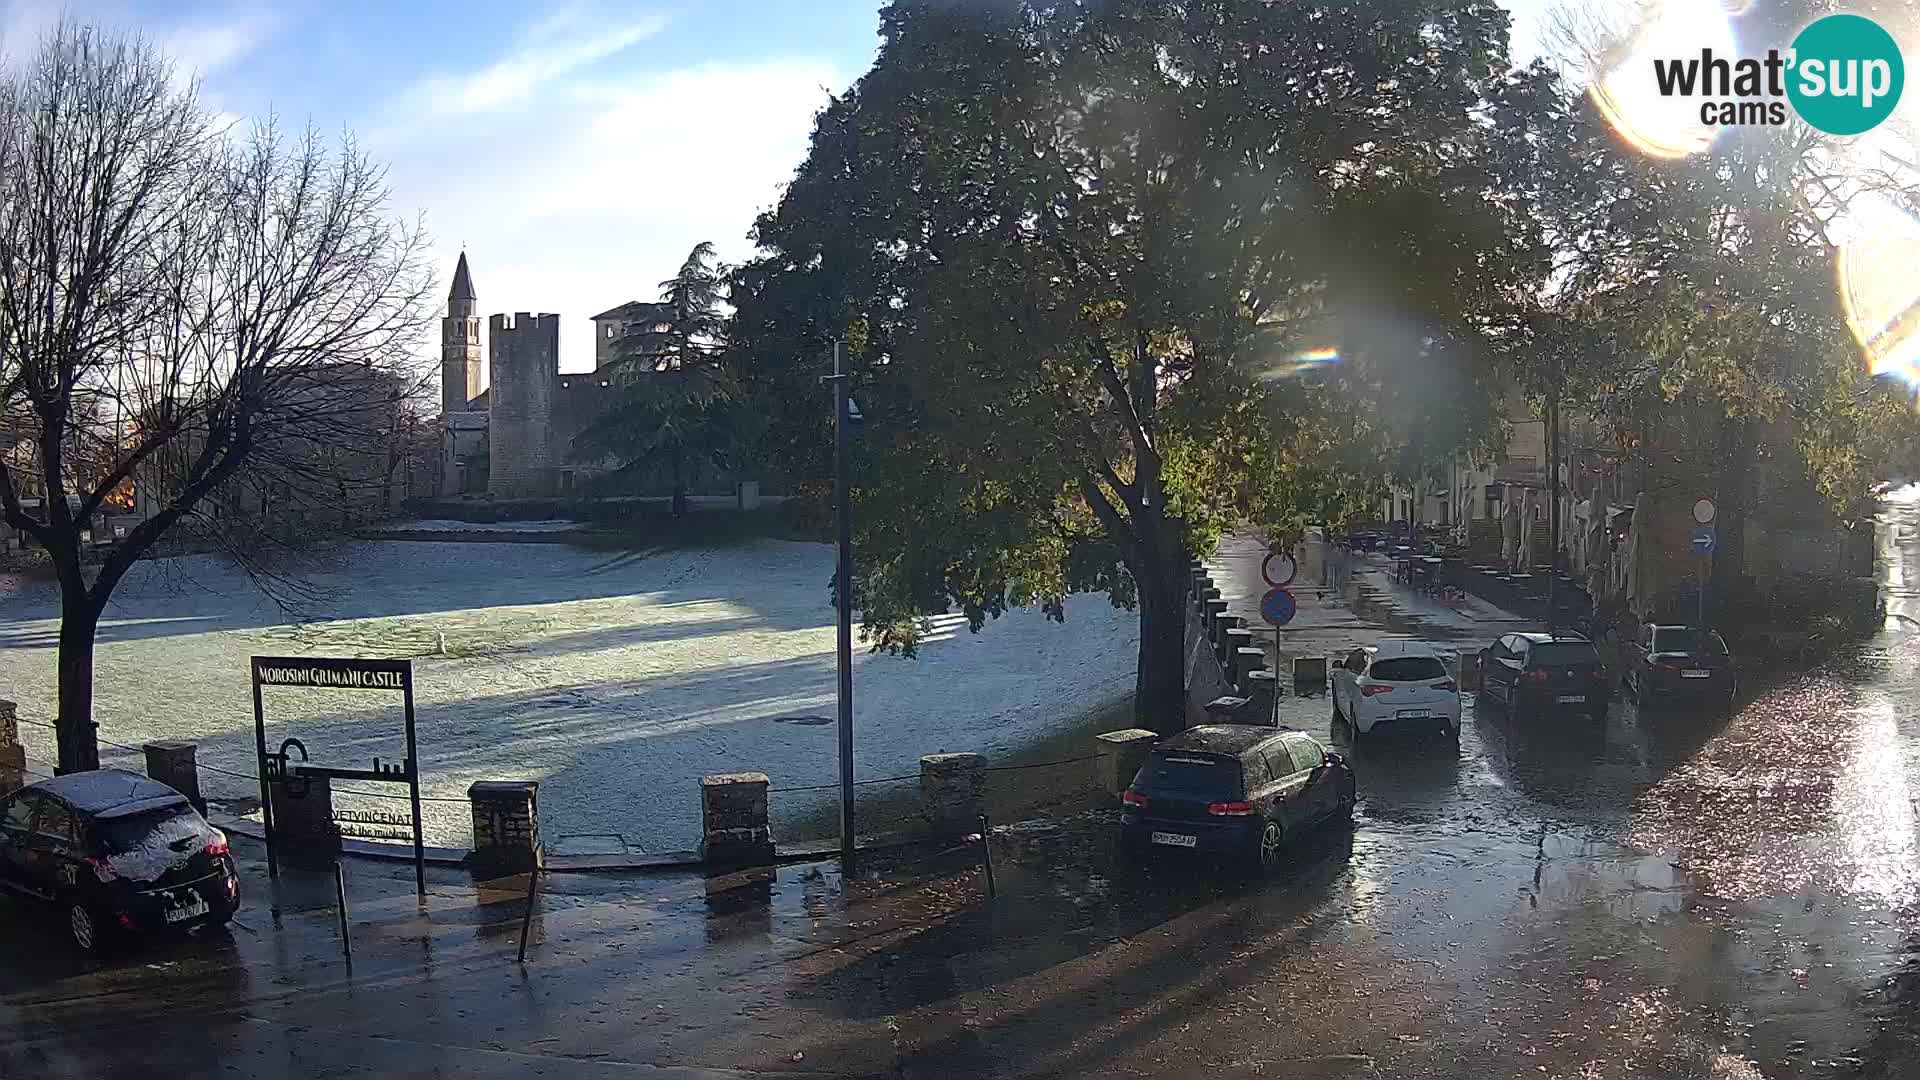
1233	789
1533	671
1679	662
116	852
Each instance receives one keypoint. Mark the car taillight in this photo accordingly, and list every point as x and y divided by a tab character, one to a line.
1534	677
1374	688
1448	686
1131	797
1666	665
219	847
102	869
1230	809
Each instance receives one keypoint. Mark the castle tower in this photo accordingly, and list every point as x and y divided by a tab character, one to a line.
524	356
460	343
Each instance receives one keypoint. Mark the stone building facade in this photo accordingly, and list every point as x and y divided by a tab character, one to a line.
508	428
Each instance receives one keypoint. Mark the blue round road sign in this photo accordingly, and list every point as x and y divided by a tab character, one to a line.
1278	607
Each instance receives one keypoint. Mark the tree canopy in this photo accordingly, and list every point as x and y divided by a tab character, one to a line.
1118	277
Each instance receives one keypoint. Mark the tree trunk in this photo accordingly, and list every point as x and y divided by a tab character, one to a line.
1160	679
679	489
79	744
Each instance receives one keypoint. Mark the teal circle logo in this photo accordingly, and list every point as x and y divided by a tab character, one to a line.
1847	74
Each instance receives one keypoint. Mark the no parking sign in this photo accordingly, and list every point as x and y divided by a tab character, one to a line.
1278	607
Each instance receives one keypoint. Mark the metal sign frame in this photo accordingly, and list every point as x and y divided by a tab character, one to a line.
334	673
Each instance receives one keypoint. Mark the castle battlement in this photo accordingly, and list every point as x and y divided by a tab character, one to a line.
523	322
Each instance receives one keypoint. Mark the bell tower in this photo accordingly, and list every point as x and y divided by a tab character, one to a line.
460	343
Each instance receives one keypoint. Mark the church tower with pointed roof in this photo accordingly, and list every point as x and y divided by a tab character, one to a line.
460	344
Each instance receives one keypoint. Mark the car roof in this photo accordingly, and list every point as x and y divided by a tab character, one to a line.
1537	637
1401	647
110	792
1221	738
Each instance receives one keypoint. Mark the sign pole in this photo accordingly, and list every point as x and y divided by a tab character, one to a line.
413	790
266	792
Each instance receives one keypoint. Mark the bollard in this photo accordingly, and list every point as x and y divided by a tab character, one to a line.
1262	695
1246	660
526	917
506	826
13	756
346	932
1220	628
171	761
953	790
733	819
986	854
1118	755
1211	612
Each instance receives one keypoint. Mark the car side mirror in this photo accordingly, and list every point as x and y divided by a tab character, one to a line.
1331	758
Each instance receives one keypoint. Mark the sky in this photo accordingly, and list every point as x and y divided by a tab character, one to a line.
576	151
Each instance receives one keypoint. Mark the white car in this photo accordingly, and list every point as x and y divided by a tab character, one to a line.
1400	684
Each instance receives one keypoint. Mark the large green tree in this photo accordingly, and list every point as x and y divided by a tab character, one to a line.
1093	263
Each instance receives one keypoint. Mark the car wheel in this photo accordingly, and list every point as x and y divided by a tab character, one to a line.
83	929
1344	811
1268	856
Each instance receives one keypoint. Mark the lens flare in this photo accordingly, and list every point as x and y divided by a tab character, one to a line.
1879	292
1627	93
1299	363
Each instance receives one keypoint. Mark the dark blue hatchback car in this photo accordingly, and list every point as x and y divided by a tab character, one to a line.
1235	790
117	853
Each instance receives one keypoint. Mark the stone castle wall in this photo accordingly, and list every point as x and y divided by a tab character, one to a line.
524	359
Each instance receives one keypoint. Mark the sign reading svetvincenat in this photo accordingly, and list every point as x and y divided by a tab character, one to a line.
339	674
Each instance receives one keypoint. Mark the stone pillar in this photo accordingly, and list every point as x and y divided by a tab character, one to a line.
1214	608
749	494
1236	639
506	826
171	762
13	756
733	819
1260	691
1120	755
1246	660
303	815
1467	670
953	793
1221	626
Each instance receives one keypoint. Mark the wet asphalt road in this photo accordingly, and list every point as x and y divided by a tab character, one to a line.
1668	894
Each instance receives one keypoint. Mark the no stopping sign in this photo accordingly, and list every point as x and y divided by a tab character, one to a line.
1279	568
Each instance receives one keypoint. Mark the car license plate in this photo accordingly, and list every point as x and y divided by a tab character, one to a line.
1695	673
1174	839
187	911
1411	714
1572	699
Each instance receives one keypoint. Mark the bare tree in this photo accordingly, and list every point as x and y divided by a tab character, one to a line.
231	303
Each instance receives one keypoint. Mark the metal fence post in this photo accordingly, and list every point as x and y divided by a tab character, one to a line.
526	917
986	854
340	892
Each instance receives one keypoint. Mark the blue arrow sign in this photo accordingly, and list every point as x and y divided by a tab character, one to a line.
1278	607
1703	540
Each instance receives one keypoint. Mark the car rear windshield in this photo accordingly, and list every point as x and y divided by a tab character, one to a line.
149	831
1688	641
1173	772
1562	653
1408	669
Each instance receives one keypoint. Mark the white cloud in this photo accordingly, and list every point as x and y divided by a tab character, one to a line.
201	49
567	41
575	190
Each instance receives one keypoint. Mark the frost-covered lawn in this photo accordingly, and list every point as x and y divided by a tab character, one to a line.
617	680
